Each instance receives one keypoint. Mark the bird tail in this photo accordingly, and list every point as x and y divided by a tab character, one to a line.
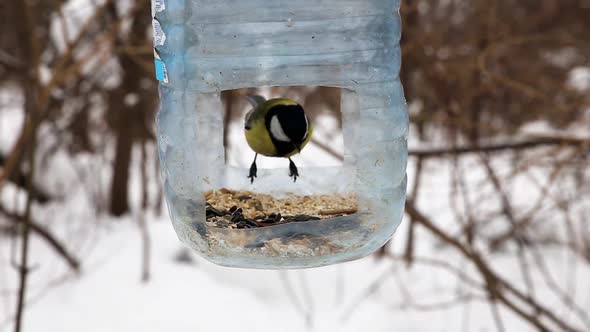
255	100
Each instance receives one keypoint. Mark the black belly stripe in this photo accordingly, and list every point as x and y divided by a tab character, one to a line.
283	148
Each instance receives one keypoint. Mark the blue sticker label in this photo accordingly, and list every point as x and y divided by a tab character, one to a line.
161	74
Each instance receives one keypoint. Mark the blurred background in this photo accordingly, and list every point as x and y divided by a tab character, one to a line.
496	235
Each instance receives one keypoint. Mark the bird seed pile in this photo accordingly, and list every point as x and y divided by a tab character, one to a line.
243	209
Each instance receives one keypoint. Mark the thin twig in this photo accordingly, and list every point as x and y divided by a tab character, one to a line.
145	235
31	83
49	238
496	314
23	267
409	249
500	147
291	294
308	299
498	286
328	149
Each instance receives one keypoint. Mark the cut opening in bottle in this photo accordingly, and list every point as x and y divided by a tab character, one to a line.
287	157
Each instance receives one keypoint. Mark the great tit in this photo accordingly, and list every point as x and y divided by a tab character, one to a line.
276	128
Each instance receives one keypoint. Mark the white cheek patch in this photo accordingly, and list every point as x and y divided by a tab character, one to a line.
277	130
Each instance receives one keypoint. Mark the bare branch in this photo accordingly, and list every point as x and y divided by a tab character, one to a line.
496	285
501	147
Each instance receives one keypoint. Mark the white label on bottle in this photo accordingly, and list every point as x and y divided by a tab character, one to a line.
161	71
158	6
159	35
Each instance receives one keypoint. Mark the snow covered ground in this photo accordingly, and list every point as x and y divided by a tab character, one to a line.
187	293
191	294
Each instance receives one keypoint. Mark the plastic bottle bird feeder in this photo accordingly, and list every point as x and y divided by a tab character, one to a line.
212	58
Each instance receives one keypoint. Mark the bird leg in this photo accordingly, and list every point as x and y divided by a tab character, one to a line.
293	170
253	170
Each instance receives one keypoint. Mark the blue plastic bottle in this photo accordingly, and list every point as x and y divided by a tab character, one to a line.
204	47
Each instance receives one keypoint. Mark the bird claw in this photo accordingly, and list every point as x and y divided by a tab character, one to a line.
293	172
253	171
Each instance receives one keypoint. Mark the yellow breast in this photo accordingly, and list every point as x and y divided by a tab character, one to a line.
260	142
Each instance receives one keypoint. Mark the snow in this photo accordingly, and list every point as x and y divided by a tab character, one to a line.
108	296
11	117
369	294
580	78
